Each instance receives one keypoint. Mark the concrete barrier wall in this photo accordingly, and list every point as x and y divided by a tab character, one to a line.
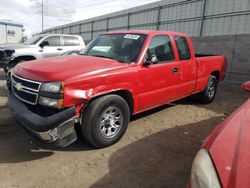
235	47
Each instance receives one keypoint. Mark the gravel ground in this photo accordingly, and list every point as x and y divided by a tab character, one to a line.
156	151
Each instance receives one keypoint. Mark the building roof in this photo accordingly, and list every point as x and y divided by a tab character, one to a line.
10	23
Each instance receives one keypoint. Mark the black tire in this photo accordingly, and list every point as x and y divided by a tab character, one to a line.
105	120
207	96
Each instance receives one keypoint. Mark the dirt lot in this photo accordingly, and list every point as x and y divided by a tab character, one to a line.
156	151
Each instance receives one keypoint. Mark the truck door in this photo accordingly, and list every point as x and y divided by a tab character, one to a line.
54	47
188	67
159	81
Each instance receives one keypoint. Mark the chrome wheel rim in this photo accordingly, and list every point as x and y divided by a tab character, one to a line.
211	89
110	122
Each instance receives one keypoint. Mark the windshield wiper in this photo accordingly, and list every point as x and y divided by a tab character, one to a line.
102	56
107	57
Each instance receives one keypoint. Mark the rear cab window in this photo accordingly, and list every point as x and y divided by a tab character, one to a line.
160	46
182	47
70	41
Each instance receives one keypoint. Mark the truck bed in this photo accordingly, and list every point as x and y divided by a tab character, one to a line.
208	64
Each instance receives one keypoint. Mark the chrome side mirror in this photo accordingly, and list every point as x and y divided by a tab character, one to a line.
152	60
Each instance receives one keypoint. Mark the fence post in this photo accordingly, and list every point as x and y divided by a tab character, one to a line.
70	29
107	23
128	21
6	31
232	59
203	16
91	31
158	17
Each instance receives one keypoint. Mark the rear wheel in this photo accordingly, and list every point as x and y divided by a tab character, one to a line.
105	120
207	96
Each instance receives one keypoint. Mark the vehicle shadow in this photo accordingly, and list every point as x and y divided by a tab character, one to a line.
163	159
151	111
224	104
17	146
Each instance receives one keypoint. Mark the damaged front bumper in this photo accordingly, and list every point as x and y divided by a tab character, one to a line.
5	57
57	129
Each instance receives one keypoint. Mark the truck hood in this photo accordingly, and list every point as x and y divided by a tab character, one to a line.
66	68
229	148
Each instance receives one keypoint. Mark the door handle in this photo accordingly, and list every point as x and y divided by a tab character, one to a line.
175	70
59	49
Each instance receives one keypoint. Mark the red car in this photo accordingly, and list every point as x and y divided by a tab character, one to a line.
117	75
224	158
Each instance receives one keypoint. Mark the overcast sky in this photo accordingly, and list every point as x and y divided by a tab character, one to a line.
58	12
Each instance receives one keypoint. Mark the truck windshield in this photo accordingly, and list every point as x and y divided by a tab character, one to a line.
33	40
124	48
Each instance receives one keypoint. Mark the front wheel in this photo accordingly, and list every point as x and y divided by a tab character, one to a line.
207	96
105	120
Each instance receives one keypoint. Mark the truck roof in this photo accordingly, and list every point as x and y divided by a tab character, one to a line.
146	32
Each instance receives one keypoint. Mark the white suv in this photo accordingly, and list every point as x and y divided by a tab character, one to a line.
38	47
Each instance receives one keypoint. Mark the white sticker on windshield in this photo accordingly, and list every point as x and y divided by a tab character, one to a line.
101	48
130	36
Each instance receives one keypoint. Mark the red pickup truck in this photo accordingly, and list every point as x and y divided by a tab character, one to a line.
118	74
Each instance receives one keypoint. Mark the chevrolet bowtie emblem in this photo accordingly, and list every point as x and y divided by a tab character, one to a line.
19	86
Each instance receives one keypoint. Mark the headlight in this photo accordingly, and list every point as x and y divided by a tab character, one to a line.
203	174
53	103
52	87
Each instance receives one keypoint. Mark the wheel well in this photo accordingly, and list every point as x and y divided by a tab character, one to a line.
125	94
26	58
216	74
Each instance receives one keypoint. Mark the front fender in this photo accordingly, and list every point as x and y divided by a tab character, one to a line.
79	96
82	90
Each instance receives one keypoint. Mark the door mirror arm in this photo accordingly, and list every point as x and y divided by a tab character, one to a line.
147	63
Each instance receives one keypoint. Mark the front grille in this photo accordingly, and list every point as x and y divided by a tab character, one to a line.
24	96
32	85
25	90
